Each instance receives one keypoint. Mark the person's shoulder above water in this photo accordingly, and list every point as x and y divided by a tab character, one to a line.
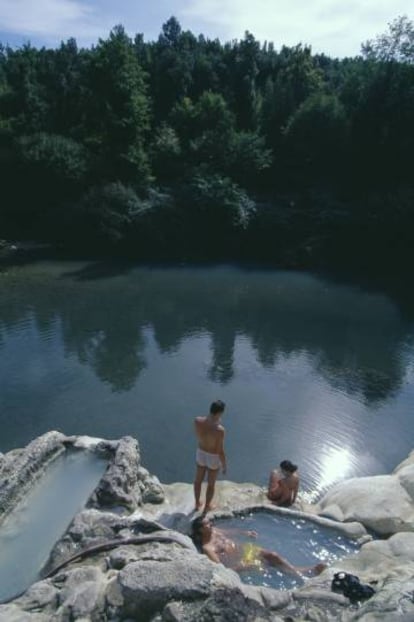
283	484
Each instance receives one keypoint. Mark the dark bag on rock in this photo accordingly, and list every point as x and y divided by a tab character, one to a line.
350	586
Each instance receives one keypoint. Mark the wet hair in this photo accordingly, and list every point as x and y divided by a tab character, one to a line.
288	466
217	407
196	528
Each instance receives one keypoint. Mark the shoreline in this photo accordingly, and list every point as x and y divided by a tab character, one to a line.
129	501
16	252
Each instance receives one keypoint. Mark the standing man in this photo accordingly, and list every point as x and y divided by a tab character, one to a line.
210	452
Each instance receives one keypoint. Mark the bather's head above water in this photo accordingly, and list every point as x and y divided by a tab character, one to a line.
288	466
201	530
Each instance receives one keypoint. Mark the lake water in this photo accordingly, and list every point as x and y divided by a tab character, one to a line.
311	370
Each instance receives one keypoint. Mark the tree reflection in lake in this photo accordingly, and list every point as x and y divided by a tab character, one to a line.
224	330
352	336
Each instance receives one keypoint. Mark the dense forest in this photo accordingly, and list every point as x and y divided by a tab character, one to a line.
189	149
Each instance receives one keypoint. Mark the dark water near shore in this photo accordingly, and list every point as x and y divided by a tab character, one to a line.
314	371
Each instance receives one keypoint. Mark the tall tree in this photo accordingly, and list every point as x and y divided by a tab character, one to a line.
245	71
28	103
295	78
397	44
316	140
117	111
172	64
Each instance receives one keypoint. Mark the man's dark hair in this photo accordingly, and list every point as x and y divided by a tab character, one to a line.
288	466
196	527
217	407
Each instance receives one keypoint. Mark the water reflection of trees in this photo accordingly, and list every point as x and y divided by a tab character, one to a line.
354	338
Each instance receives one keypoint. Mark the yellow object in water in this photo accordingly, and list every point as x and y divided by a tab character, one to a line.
251	555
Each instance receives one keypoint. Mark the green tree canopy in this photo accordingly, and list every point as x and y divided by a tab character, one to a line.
397	44
117	111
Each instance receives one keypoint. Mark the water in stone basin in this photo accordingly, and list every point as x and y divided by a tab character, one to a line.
30	531
301	542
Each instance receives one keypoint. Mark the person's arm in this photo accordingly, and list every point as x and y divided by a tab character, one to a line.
295	491
211	553
221	453
237	531
274	481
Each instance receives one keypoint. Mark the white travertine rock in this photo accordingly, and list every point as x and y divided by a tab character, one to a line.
20	468
149	585
381	503
406	462
169	580
405	476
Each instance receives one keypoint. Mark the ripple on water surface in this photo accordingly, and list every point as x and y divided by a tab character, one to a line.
311	370
301	542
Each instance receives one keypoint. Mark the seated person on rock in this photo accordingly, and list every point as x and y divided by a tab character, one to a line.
220	547
283	484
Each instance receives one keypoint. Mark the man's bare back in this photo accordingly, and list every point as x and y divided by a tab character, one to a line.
210	434
284	484
210	454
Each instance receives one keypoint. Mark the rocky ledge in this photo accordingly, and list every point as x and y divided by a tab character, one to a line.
126	555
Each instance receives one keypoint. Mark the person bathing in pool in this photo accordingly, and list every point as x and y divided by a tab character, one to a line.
283	484
210	454
219	546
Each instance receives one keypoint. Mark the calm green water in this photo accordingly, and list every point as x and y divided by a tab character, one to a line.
313	371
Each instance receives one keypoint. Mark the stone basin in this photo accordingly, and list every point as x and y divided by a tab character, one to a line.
40	518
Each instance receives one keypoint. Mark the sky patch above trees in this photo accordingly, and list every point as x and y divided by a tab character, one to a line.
329	26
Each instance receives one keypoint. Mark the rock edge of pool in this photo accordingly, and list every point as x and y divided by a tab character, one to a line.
126	554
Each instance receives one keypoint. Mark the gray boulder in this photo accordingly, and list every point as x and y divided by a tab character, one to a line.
21	467
383	503
148	585
83	595
224	605
125	482
150	486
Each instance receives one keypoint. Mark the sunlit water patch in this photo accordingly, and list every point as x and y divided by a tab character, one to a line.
311	370
30	531
301	542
